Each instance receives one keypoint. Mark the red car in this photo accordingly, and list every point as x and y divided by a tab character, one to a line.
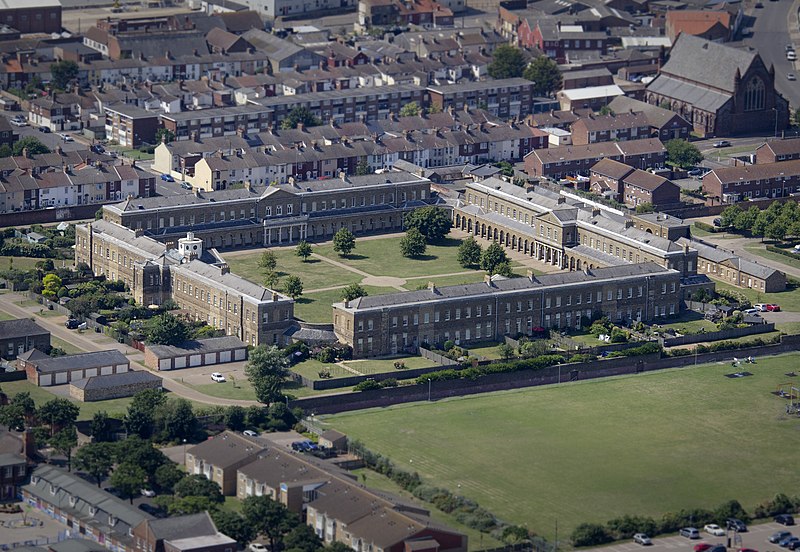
771	307
702	547
748	550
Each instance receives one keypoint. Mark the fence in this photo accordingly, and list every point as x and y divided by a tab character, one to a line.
717	336
529	378
441	360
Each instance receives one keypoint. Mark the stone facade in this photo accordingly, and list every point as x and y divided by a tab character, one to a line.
400	322
22	335
101	388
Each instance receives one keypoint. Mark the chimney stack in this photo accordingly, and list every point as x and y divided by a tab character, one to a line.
275	297
530	275
432	287
487	279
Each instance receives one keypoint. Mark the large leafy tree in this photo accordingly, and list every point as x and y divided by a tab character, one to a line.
469	253
167	329
95	459
411	109
353	291
58	413
164	135
141	452
293	286
682	154
270	518
301	538
507	62
300	115
433	222
413	244
64	442
267	370
167	476
545	74
31	144
233	525
63	72
344	242
139	418
199	485
175	420
493	258
128	479
303	250
101	426
268	261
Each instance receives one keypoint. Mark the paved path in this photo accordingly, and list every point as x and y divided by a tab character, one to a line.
369	279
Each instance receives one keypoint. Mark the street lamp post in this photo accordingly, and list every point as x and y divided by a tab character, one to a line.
429	389
775	109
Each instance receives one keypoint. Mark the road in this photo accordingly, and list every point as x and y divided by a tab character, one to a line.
756	538
770	37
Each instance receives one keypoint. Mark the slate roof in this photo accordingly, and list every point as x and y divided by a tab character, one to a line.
200	346
142	245
182	527
697	95
215	279
110	381
83	360
226	449
646	180
691	57
612	169
656	116
717	255
510	285
20	327
787	146
762	171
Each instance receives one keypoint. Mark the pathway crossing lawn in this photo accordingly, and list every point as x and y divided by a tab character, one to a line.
316	307
788	300
382	258
593	450
314	273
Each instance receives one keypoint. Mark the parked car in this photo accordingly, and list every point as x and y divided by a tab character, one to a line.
772	307
736	525
722	144
66	137
789	47
690	533
714	529
695	172
793	544
250	433
71	324
97	148
150	493
751	311
167	178
718	548
748	550
186	186
44	129
780	535
702	547
784	519
787	542
791	56
641	538
257	547
762	307
791	76
217	377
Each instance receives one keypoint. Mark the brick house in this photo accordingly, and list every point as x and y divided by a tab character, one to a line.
642	187
761	180
664	124
561	161
129	125
21	335
732	269
45	372
42	16
774	151
189	533
713	25
219	457
610	128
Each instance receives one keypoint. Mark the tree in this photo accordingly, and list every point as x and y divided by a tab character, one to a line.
682	154
128	479
729	215
514	534
410	109
267	370
268	261
590	534
31	144
469	253
63	72
167	329
175	420
268	517
344	242
300	115
293	286
508	62
646	207
164	135
302	538
413	244
271	279
51	283
232	524
492	257
745	220
506	351
24	402
303	250
432	222
64	441
235	418
353	292
139	418
58	413
167	476
199	485
141	452
605	110
776	230
101	427
545	74
95	459
363	168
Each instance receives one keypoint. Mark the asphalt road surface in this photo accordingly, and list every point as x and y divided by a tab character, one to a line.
770	37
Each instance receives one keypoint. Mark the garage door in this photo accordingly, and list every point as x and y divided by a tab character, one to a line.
91	372
240	354
210	358
195	360
106	370
180	362
45	380
61	377
121	368
225	356
165	364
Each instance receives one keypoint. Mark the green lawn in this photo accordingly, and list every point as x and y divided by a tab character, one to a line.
68	348
40	395
19	263
382	257
774	257
311	368
243	390
590	451
697	231
690	322
314	273
488	350
788	300
316	307
791	328
5	316
382	365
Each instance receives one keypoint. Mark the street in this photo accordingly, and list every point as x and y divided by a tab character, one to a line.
755	538
770	37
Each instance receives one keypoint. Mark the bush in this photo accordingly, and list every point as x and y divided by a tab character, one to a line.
583	357
646	349
627	526
399	365
590	534
782	251
367	385
781	504
475	372
708	227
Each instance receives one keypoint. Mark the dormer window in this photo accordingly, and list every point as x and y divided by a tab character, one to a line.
92	510
72	500
52	489
112	521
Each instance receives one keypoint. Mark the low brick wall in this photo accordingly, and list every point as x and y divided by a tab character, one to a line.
718	336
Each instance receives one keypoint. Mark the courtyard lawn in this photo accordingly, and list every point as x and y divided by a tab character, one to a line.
794	262
593	450
311	368
381	257
490	350
381	365
789	300
314	273
316	307
689	322
240	390
699	232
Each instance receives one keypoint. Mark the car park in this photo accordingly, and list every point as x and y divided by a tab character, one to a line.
641	538
714	529
721	144
736	525
167	178
217	377
784	519
779	536
690	533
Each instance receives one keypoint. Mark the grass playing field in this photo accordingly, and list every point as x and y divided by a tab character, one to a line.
593	450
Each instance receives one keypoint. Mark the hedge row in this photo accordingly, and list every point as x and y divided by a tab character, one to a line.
708	227
476	372
648	348
593	534
784	252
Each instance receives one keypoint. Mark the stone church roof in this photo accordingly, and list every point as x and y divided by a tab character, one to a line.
692	56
